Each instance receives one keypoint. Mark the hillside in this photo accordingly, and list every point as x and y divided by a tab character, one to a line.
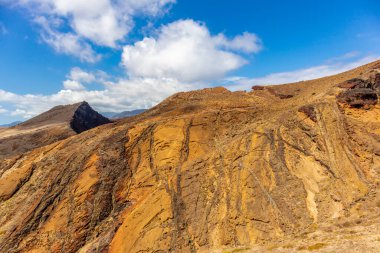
293	167
56	124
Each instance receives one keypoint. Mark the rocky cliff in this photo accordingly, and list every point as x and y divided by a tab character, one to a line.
282	168
85	118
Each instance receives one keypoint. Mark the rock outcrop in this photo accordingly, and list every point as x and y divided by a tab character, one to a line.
359	97
206	171
361	92
85	118
56	124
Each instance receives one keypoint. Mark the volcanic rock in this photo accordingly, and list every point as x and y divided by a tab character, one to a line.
358	97
355	83
376	85
361	93
206	171
258	87
309	111
86	118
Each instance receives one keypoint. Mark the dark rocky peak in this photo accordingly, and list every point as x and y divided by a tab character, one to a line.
86	118
79	116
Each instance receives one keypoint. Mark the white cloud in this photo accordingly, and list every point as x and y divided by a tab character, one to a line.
71	44
125	94
73	85
146	7
96	20
66	43
71	26
185	50
139	92
247	42
77	78
79	75
242	83
344	57
22	113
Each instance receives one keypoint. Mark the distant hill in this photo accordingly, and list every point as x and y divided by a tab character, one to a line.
56	124
11	124
80	116
125	114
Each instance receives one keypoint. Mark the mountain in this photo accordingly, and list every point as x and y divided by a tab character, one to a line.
125	114
284	168
56	124
11	124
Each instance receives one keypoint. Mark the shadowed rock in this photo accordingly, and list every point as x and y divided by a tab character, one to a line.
376	85
258	87
358	97
86	118
309	111
360	93
355	83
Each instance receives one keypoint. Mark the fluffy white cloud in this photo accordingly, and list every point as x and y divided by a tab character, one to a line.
138	92
241	83
247	42
66	43
77	78
185	50
125	94
73	85
22	113
71	26
146	7
79	75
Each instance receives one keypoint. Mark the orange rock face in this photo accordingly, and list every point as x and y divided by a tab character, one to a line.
203	171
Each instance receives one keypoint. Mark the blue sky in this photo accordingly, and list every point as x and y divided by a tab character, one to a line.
124	55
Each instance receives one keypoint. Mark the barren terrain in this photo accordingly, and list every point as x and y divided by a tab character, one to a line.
283	168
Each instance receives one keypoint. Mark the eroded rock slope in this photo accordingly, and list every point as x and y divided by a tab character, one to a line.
203	171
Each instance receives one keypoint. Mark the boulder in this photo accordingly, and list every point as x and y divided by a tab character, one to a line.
358	97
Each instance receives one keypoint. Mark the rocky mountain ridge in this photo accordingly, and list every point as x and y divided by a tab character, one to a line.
56	124
283	168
